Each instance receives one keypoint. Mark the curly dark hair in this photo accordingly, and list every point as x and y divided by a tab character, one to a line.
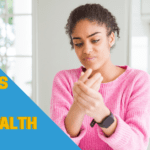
91	12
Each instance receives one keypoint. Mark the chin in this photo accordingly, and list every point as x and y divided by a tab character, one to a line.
92	66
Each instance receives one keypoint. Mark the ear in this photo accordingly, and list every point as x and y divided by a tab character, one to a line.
111	39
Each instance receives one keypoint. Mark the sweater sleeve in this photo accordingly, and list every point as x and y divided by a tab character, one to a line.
133	132
61	101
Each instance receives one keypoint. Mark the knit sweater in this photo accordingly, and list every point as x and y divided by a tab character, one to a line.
127	97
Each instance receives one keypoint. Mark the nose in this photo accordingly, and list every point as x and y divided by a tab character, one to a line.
87	49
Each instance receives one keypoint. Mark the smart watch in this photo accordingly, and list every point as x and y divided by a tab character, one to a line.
105	123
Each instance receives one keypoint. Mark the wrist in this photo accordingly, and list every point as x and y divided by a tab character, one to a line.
78	108
105	114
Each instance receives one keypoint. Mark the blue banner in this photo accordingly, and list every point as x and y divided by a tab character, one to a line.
23	125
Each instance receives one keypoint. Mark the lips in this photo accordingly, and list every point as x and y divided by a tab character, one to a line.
88	58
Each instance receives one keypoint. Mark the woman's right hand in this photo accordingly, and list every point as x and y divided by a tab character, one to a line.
94	82
76	114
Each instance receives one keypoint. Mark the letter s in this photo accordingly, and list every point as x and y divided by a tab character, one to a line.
4	83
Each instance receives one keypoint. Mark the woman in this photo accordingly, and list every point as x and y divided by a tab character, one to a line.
100	106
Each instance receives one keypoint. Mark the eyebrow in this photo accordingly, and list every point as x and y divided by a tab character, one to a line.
87	36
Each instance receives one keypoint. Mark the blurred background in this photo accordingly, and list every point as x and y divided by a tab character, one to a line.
16	42
34	46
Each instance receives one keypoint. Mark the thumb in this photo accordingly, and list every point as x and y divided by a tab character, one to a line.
82	73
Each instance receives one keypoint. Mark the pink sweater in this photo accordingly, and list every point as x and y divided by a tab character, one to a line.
127	97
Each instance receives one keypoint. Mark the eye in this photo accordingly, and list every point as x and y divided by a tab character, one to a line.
95	41
79	45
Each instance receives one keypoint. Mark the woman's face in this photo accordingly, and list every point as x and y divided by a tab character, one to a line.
91	44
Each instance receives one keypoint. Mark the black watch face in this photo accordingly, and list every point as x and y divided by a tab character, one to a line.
108	122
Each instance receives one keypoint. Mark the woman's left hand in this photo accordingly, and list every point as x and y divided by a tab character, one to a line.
91	102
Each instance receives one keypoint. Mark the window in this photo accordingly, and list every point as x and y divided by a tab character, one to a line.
16	42
139	53
139	38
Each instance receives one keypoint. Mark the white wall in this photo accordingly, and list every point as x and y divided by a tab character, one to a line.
54	50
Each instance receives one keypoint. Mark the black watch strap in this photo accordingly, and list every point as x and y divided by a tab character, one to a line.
105	123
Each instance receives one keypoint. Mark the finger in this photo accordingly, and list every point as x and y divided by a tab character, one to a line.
82	73
88	91
85	75
92	80
84	104
74	88
79	93
97	83
74	94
